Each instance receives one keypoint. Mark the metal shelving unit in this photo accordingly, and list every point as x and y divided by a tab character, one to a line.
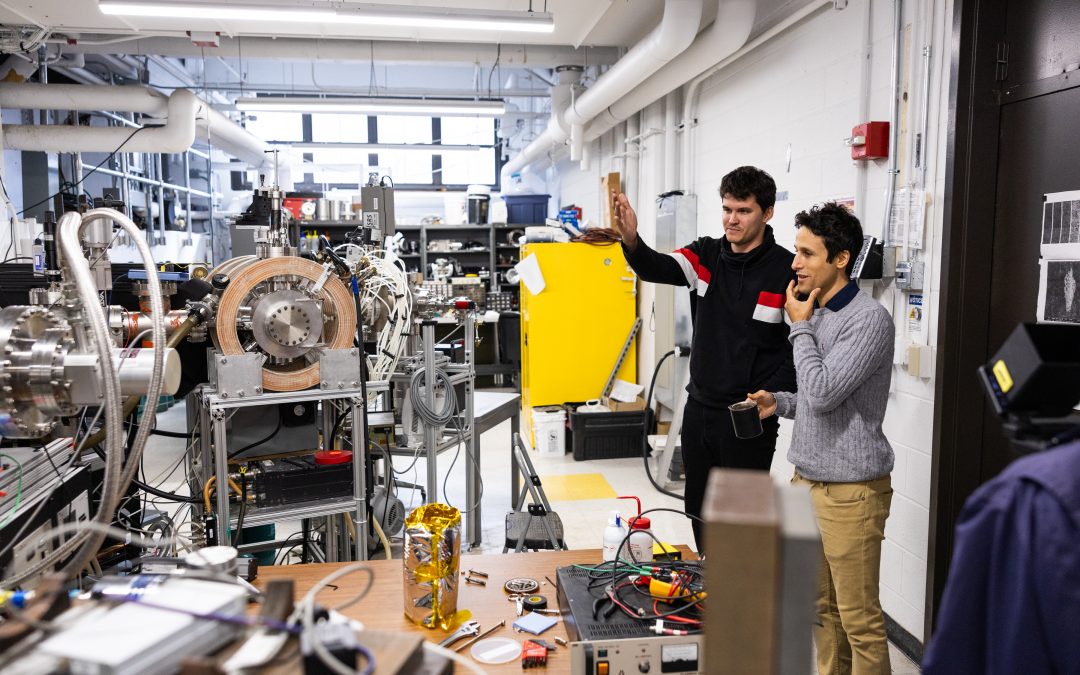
213	449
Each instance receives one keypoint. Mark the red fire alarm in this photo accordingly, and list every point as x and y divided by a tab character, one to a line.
870	140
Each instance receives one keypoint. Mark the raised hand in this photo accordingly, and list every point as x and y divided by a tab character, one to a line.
625	219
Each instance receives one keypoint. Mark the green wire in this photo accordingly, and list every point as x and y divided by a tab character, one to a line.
18	490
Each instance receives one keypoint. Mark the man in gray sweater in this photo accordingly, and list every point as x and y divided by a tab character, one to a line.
842	341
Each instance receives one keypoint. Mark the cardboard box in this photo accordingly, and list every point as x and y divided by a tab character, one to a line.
742	547
662	428
620	406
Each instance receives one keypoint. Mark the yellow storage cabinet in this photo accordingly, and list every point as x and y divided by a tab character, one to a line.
573	330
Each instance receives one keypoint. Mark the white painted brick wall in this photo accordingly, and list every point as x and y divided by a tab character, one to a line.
802	91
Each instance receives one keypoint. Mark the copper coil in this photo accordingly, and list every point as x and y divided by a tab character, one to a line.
337	333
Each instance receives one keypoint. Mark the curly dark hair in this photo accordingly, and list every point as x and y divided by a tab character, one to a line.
837	226
747	181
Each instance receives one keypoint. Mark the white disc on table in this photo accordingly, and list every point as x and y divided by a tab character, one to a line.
496	650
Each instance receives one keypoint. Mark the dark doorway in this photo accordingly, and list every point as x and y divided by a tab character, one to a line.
1014	139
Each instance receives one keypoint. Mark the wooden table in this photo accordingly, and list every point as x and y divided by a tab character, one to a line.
383	608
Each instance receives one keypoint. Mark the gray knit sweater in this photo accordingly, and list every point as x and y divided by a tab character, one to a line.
843	364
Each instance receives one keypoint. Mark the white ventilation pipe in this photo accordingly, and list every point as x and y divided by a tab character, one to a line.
734	19
176	135
183	112
674	33
83	97
554	136
690	96
237	141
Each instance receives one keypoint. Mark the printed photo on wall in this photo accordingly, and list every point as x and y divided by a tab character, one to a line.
1059	291
1061	226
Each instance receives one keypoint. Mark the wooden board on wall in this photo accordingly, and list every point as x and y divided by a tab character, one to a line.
610	185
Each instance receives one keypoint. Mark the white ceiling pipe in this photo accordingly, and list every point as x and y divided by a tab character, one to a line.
223	133
219	129
672	35
690	97
83	97
734	19
664	42
389	51
175	136
555	135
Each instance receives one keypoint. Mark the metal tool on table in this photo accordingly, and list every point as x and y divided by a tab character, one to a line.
467	629
481	636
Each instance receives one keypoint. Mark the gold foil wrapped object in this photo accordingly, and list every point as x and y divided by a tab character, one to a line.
432	552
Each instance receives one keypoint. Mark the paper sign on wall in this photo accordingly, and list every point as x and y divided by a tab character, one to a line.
1059	298
1061	226
915	313
529	271
908	213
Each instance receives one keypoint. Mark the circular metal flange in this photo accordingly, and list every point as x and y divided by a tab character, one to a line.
336	332
287	323
33	389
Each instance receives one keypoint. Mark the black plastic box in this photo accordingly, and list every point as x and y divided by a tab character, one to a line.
611	435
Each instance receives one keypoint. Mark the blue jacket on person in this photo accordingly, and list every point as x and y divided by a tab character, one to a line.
1012	599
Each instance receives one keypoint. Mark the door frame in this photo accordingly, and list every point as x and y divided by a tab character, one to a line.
976	100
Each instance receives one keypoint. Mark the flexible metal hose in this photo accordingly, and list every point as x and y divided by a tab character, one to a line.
153	392
78	272
117	476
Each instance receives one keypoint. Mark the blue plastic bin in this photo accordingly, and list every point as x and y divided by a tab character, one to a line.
526	209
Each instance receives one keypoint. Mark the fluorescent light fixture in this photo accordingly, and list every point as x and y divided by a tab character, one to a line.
436	148
374	106
337	12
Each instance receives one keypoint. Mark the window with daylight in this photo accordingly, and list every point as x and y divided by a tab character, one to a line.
276	126
468	130
407	166
469	167
339	128
338	165
404	129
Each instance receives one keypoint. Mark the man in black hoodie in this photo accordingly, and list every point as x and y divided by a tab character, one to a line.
738	286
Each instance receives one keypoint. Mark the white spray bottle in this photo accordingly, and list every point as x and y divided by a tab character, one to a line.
614	534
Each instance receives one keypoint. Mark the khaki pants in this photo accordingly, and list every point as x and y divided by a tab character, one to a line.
850	633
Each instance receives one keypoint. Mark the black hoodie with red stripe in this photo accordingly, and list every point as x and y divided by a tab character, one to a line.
740	336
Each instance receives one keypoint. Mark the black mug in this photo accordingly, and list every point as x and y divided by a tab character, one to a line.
745	419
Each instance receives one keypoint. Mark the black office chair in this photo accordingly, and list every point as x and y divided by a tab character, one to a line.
537	527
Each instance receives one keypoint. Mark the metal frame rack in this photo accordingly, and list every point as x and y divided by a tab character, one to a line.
214	407
458	373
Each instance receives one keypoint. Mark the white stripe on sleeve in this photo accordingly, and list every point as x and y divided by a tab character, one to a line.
686	267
